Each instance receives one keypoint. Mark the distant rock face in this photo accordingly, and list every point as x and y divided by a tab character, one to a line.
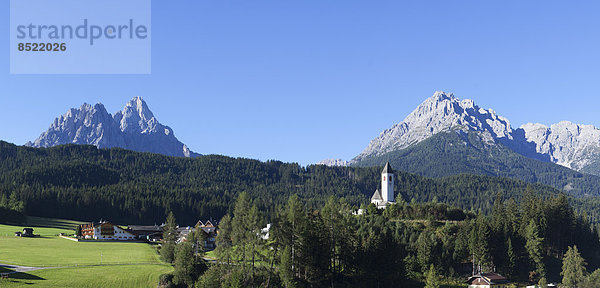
565	143
568	144
441	112
134	128
333	162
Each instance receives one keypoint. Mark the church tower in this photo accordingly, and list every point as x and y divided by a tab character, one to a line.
387	183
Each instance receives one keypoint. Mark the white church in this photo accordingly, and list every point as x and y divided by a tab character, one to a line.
386	196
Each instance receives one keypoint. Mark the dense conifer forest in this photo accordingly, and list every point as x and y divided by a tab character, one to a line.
85	183
540	240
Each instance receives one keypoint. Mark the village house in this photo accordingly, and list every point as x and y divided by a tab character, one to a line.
184	233
209	230
149	233
105	230
487	280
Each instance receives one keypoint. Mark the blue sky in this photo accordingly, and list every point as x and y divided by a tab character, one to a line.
300	81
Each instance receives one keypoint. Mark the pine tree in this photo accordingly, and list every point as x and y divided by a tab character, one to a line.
223	241
592	280
254	240
573	268
295	221
241	228
511	259
543	282
285	268
167	250
498	214
425	249
184	272
431	278
534	246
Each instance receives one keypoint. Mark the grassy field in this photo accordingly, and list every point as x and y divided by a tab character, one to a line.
50	250
53	223
82	264
99	276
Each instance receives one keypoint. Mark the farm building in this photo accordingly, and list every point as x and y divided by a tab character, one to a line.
150	233
105	230
27	232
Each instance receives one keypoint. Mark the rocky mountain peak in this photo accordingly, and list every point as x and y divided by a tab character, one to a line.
440	112
139	106
134	128
136	117
565	143
441	96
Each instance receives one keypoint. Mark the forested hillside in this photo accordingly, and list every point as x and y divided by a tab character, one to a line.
85	183
451	153
405	245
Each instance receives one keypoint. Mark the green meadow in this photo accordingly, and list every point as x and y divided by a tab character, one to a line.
98	276
77	264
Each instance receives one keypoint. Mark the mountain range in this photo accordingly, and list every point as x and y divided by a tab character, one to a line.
568	144
445	136
134	128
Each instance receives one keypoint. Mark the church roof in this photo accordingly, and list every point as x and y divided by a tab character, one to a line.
376	196
488	278
387	168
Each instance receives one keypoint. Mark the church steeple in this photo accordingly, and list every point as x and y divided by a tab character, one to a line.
387	183
383	197
387	169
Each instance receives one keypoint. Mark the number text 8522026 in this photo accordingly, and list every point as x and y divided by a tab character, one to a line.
49	47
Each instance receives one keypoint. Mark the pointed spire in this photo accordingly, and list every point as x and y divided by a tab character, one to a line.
387	169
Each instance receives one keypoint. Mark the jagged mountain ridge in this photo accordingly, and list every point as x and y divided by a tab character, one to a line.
458	152
441	112
571	145
567	144
134	128
333	162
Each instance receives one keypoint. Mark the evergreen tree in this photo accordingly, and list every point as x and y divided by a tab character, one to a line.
223	241
592	280
432	279
285	268
184	272
573	268
295	223
167	250
511	259
535	248
254	240
543	282
211	278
